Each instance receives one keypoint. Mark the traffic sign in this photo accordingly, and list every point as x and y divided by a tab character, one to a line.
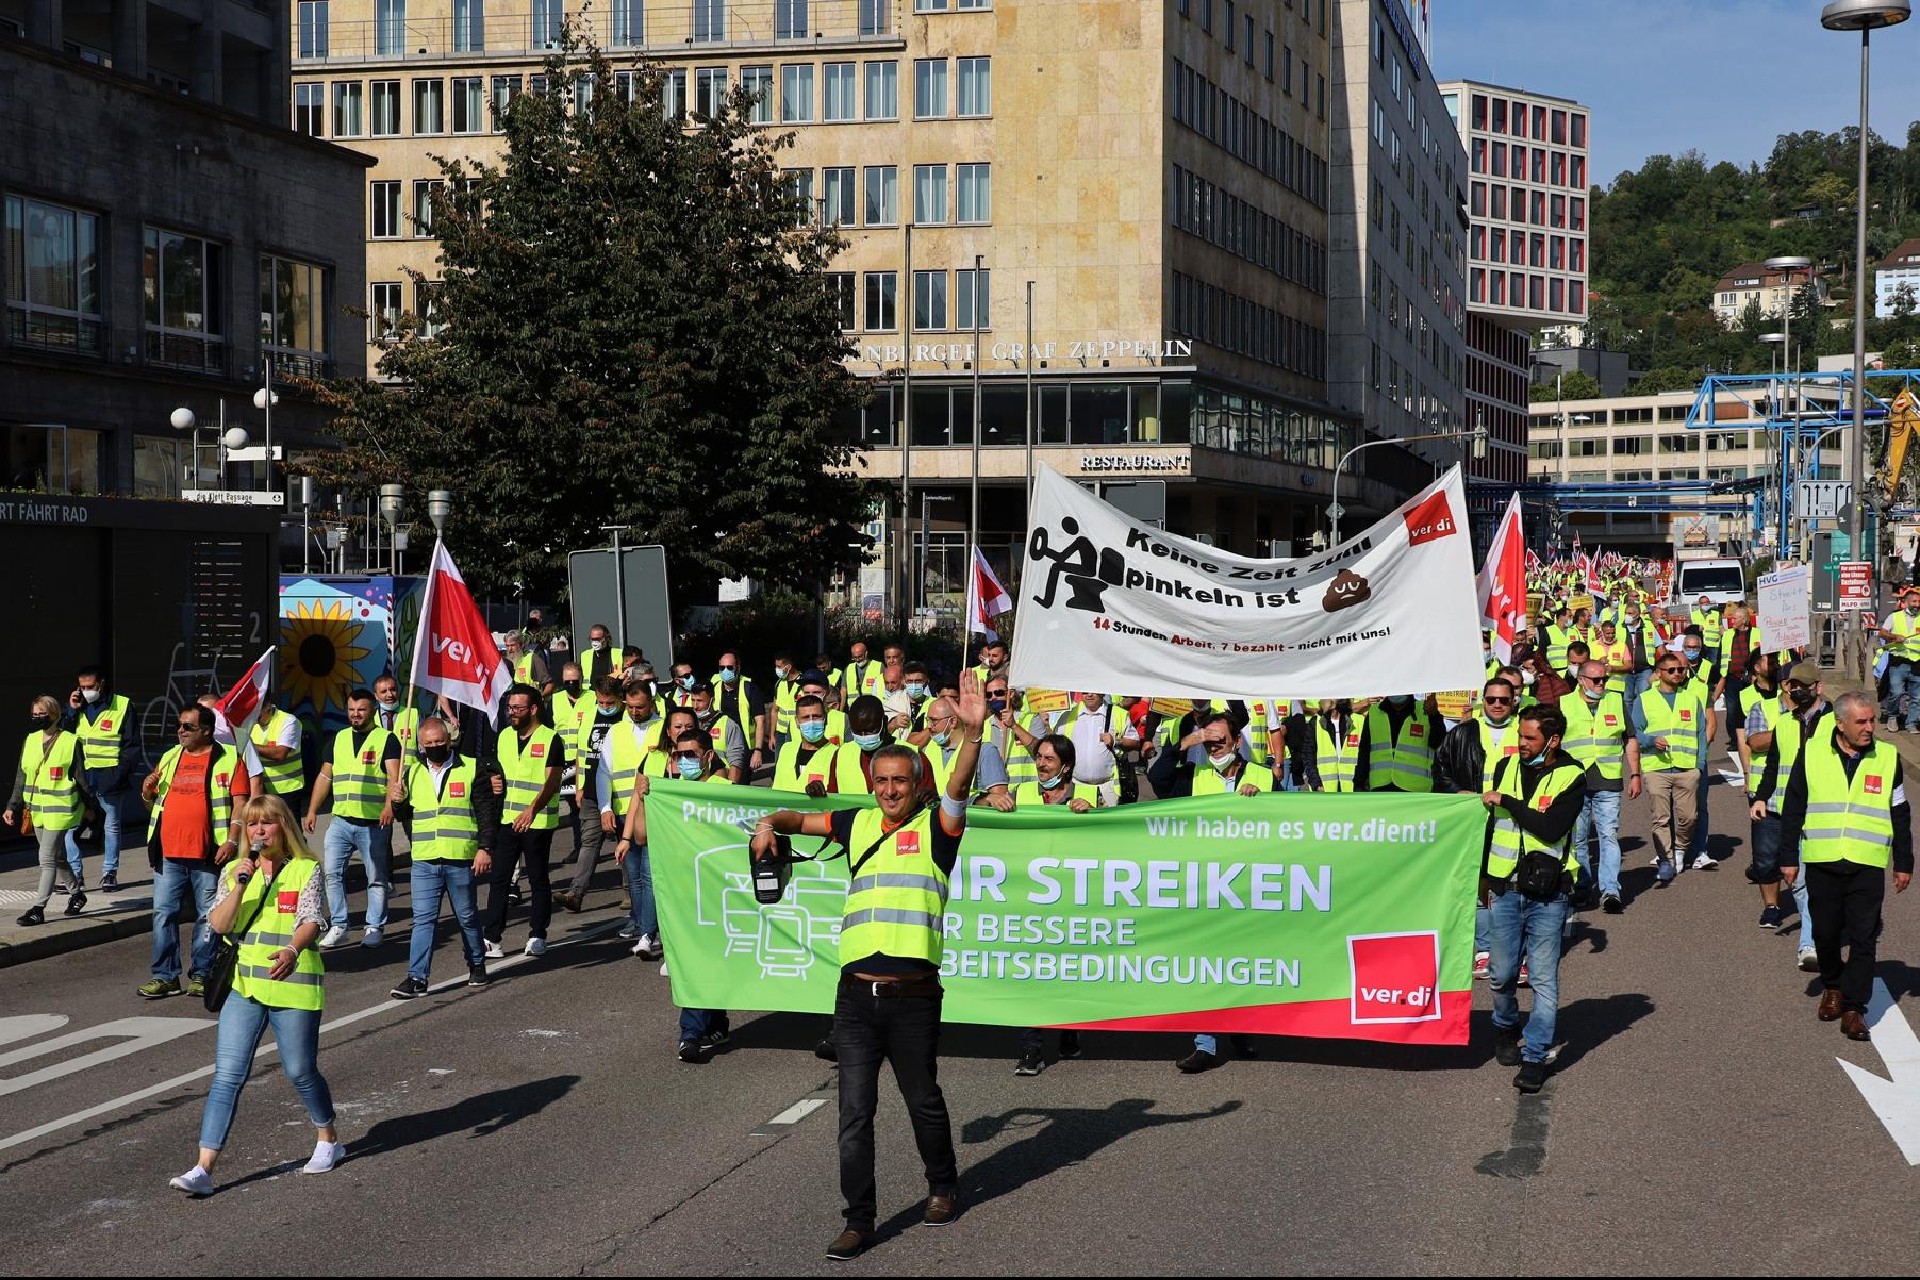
1856	586
1823	499
237	497
1336	511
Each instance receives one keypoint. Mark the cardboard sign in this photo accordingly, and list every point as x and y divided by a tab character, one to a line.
1046	700
1171	707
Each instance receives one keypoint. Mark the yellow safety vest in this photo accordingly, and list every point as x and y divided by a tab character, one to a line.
1337	762
1117	724
53	789
1497	745
567	712
100	737
1508	840
1033	795
1905	648
444	826
1558	638
785	694
1209	781
848	777
523	671
857	678
1406	763
896	902
1708	620
630	759
219	791
359	778
1683	725
743	709
272	930
1789	736
1850	821
406	727
526	774
1594	733
284	777
1020	764
787	770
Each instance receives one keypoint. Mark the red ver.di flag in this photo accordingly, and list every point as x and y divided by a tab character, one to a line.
453	652
1503	585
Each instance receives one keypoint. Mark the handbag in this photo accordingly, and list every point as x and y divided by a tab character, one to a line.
218	983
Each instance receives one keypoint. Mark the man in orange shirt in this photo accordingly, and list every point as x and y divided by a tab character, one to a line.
191	834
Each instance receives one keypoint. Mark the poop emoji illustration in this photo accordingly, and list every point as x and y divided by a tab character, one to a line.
1345	591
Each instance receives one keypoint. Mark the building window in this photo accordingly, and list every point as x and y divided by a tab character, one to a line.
425	192
184	279
790	20
840	90
799	184
837	199
883	197
313	28
975	87
709	21
972	289
385	116
1246	46
709	91
929	88
673	94
883	91
504	90
1227	33
882	290
929	300
929	194
758	81
429	106
1269	68
929	6
840	293
53	277
964	5
347	103
383	204
383	318
426	305
293	315
973	189
310	110
389	27
796	92
469	26
874	15
469	107
546	21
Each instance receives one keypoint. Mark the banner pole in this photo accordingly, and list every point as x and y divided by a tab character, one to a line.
425	618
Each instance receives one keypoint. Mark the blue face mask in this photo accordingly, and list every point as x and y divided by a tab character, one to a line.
728	675
1538	760
996	705
1054	781
1693	655
941	737
915	689
686	682
689	769
867	741
813	730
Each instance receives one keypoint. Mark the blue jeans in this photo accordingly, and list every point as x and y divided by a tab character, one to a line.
455	880
1903	678
639	869
1699	844
120	812
1599	816
375	846
695	1023
296	1033
1638	683
171	884
1800	905
1482	929
1525	929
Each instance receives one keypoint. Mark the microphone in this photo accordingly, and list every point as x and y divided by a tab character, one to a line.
240	881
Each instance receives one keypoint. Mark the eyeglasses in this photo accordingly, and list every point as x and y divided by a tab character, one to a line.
1671	671
191	726
686	755
996	693
1595	679
1494	699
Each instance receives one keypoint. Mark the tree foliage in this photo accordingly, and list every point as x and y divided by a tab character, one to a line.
1575	384
631	328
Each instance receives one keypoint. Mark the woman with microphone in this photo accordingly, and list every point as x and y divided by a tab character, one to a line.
275	895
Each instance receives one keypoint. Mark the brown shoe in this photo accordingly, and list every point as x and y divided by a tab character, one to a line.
568	899
849	1244
1830	1004
939	1211
1853	1025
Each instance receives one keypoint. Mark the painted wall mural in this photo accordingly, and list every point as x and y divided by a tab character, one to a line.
338	634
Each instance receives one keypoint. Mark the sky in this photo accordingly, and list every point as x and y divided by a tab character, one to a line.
1723	77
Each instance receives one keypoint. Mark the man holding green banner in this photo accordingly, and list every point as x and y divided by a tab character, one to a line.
891	948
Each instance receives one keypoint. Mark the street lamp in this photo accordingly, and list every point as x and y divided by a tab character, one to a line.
439	507
393	504
1864	16
1777	361
183	419
264	399
1477	434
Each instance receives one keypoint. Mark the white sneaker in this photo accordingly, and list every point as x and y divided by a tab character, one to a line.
493	950
536	946
325	1156
1703	862
334	937
648	947
1808	960
663	968
195	1182
372	939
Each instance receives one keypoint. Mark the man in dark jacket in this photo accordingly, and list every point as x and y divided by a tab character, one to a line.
111	764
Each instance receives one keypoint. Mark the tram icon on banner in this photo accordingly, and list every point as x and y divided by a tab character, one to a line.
781	938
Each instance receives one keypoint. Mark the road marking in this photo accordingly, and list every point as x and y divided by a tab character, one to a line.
385	1006
140	1033
792	1116
1526	1152
1895	1101
28	1025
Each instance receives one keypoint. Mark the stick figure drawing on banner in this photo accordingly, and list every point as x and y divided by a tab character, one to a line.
1088	572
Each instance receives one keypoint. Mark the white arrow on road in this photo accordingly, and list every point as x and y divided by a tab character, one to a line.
134	1034
1895	1101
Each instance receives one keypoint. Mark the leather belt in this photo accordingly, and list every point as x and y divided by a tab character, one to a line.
894	988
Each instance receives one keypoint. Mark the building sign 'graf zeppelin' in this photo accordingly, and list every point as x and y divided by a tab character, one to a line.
1170	349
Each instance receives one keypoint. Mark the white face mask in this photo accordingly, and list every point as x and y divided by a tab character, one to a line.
91	695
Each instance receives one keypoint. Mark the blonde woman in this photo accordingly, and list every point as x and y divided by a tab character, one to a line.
49	785
278	887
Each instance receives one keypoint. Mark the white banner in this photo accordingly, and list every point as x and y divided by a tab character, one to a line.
1784	617
1110	605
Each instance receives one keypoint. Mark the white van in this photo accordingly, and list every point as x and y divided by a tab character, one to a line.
1721	581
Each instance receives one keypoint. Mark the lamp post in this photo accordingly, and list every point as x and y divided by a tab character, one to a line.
439	507
264	399
1478	434
393	504
1787	264
1033	408
183	419
1777	480
906	426
1864	16
973	521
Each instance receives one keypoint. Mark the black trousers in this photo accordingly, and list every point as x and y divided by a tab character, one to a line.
903	1030
1845	899
509	848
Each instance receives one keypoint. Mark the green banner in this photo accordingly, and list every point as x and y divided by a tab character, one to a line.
1295	914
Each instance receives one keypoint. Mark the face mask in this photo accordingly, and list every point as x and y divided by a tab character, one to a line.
689	769
596	645
915	689
1221	763
1801	697
867	741
91	695
1528	677
42	722
572	687
438	755
813	730
728	675
781	673
389	706
1400	699
704	717
941	737
1693	655
996	705
1539	759
686	682
1054	781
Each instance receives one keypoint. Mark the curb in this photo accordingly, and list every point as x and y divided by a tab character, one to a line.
21	947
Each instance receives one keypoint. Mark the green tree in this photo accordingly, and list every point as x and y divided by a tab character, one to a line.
1666	378
1576	384
631	327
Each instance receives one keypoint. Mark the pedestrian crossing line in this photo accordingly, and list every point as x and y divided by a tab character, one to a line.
792	1116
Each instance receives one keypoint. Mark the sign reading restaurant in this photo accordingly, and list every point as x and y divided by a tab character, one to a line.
1170	349
1134	462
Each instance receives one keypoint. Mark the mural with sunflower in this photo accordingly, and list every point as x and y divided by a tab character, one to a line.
338	635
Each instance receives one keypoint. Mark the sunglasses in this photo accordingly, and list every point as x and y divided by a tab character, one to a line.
996	693
187	728
1493	699
728	667
686	755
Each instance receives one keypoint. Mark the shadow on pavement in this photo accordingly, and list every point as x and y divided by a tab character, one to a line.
482	1114
1585	1025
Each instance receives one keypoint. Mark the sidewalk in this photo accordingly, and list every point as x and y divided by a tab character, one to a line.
108	915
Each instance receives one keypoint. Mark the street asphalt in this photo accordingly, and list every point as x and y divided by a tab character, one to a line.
1698	1121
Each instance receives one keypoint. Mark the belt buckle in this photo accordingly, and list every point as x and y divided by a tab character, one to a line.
876	989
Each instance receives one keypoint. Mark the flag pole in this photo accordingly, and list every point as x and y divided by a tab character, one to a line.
426	612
